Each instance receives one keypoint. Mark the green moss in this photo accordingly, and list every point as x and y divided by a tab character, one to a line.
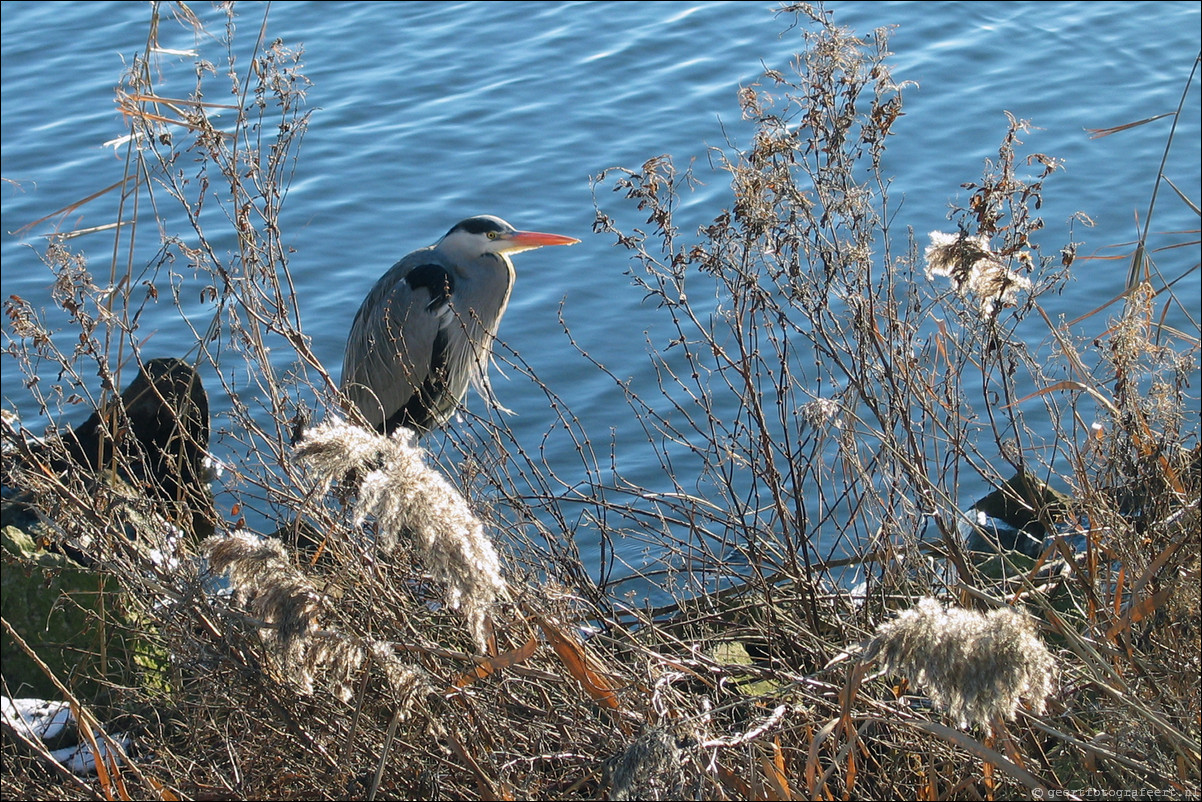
73	619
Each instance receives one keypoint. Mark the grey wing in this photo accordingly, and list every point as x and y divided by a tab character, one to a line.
398	368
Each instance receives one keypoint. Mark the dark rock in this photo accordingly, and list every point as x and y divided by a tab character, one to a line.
1019	510
156	437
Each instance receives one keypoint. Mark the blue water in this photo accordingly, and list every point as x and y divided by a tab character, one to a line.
427	112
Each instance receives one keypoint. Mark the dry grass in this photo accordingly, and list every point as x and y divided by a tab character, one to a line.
425	628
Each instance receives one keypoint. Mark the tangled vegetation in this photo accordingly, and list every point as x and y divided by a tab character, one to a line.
422	628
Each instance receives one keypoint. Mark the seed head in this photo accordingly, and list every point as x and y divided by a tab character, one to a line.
975	269
974	666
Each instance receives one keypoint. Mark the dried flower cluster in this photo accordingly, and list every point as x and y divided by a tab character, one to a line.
405	495
974	269
974	666
821	412
286	601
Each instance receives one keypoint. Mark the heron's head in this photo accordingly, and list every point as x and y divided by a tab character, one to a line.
476	236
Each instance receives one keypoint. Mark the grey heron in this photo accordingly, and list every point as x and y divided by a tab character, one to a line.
426	329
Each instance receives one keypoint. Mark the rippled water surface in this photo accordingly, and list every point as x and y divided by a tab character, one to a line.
427	112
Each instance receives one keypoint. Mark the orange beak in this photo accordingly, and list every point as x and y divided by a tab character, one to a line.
528	240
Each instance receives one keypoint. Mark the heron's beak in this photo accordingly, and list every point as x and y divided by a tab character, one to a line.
529	240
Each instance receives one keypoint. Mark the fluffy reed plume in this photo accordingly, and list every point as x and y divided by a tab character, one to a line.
263	578
650	768
975	666
974	269
342	659
405	495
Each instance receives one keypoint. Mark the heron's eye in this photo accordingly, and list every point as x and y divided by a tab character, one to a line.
492	235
